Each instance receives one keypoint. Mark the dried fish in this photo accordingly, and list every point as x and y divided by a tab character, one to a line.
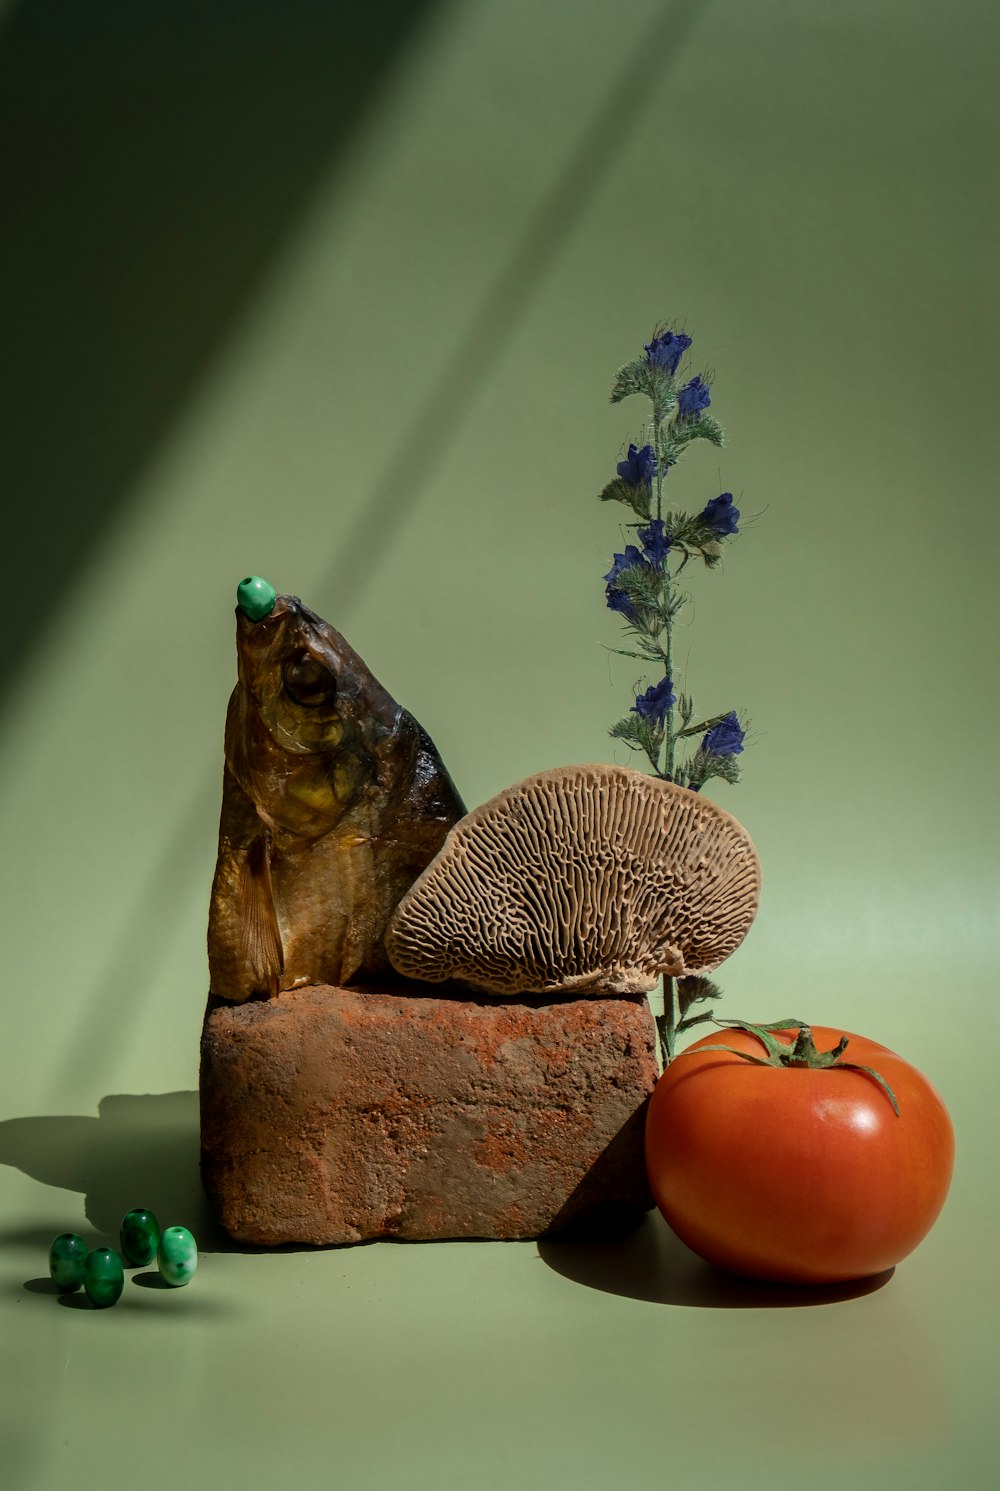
334	800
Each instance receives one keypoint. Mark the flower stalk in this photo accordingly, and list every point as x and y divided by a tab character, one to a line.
679	997
642	587
642	584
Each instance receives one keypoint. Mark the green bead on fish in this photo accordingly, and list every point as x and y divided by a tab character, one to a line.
103	1277
67	1255
177	1256
140	1236
255	597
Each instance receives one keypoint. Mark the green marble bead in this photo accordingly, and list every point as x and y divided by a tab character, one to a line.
103	1277
67	1256
177	1256
255	597
140	1236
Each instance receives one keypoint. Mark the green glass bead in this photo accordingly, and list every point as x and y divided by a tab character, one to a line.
177	1256
67	1255
103	1277
140	1235
255	597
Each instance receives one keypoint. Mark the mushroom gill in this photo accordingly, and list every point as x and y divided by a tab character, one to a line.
591	879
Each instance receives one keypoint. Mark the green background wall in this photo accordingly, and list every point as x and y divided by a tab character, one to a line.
338	301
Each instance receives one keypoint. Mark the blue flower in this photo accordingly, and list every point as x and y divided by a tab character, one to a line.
638	467
722	514
693	397
619	601
631	559
667	349
726	738
655	543
655	702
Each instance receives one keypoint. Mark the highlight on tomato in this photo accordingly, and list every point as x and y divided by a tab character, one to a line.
797	1154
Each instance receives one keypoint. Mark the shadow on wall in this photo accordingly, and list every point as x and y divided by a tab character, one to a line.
156	158
139	1151
209	126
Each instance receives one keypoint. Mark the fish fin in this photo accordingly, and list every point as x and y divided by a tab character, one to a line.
260	940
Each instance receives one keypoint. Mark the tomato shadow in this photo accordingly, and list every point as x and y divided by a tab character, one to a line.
651	1263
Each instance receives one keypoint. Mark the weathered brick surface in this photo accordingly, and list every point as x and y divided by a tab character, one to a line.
335	1115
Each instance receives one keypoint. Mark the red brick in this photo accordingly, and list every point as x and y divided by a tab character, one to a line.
335	1115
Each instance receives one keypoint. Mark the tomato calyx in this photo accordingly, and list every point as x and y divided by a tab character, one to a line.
801	1053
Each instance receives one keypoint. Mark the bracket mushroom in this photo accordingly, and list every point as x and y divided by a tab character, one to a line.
585	879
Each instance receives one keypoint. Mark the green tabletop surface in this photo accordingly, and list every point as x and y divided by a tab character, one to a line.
337	299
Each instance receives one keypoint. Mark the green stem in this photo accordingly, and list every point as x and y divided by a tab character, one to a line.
665	652
668	652
668	732
668	724
667	1023
658	453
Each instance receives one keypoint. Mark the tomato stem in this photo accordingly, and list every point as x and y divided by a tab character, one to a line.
801	1053
804	1052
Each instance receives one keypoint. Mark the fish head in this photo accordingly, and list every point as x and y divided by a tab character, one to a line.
307	721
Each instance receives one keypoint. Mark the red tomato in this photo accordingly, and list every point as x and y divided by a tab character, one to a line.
797	1174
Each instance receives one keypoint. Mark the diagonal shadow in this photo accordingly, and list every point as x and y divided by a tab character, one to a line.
436	421
103	1024
153	160
154	915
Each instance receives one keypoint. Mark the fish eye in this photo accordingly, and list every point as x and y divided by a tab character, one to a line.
308	682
